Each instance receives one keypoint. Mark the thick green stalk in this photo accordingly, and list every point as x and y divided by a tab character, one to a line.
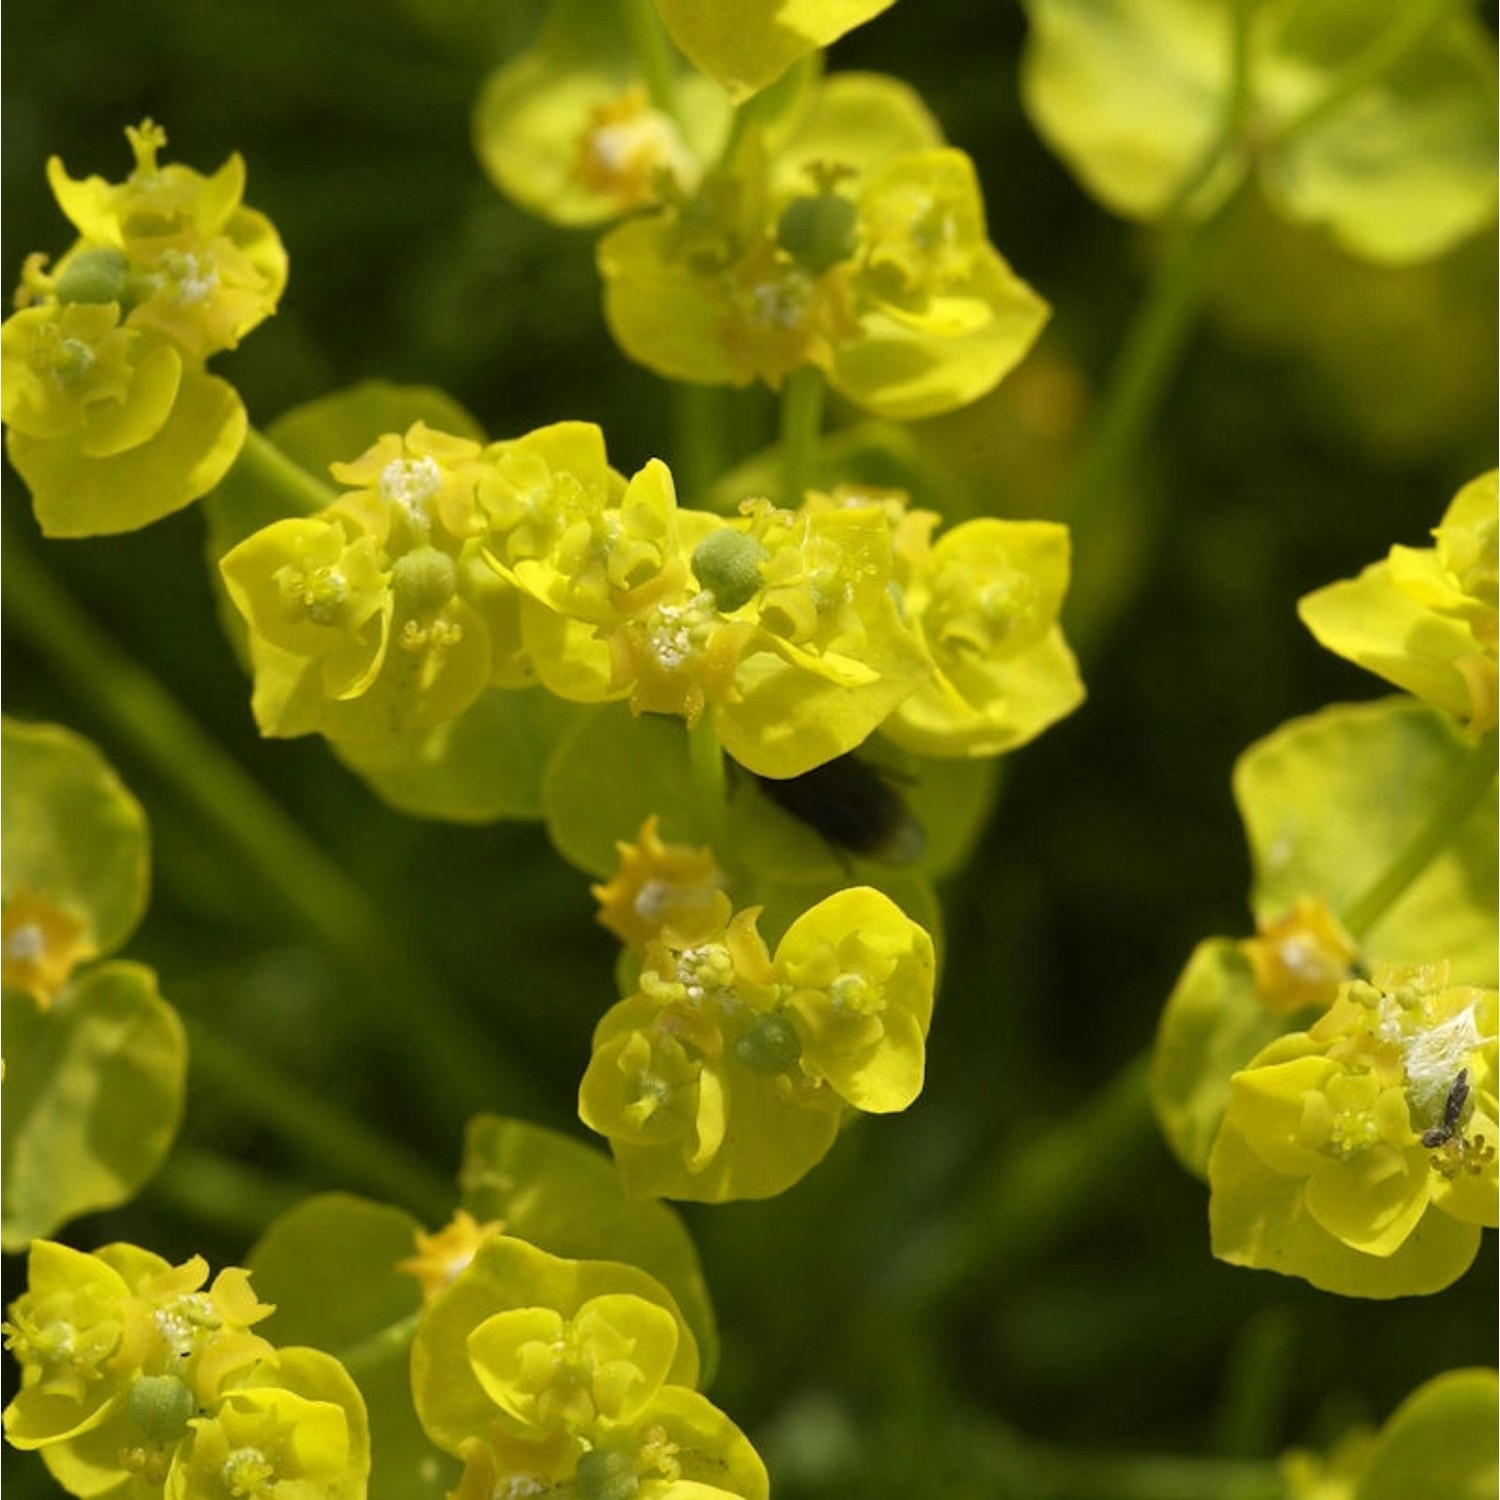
699	443
393	1342
465	1071
801	430
651	49
1472	782
710	791
316	1128
262	463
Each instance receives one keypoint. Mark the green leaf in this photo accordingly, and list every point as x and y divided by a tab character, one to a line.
76	495
72	832
505	1274
750	44
1404	168
1213	1024
329	1266
93	1096
608	776
484	765
1439	1441
337	428
1373	118
1130	93
1331	801
566	1198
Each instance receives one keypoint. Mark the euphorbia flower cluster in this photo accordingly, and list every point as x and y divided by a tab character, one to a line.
574	1377
1425	618
1361	1153
858	245
456	567
136	1376
113	420
726	1073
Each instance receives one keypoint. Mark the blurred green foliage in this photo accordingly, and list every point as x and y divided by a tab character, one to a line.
939	1285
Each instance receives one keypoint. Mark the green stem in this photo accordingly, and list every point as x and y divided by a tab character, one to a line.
390	1343
465	1071
1032	1197
1413	21
699	415
212	1189
1229	139
1043	1473
651	49
801	428
266	466
1472	782
318	1129
710	789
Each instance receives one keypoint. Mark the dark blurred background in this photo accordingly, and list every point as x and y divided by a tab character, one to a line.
919	1310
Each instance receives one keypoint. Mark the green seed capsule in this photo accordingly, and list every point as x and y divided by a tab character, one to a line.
422	581
160	1406
94	275
819	232
606	1474
727	563
771	1045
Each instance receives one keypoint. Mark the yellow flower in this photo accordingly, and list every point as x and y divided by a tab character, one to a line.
113	420
1425	618
858	246
1360	1154
1300	959
443	1255
656	884
40	943
725	1074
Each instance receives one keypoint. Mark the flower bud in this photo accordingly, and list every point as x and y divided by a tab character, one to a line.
818	232
422	581
160	1406
771	1045
727	563
606	1474
97	274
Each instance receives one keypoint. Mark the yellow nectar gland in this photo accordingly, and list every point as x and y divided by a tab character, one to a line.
626	149
442	1256
654	883
1300	958
41	944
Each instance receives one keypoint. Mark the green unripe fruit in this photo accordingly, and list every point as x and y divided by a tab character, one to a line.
422	581
771	1045
95	275
818	232
160	1406
727	563
605	1474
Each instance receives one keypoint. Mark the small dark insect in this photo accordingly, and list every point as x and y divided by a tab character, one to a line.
854	807
1457	1097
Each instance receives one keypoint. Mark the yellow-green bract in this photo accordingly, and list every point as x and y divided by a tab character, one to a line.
132	1372
726	1073
113	421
